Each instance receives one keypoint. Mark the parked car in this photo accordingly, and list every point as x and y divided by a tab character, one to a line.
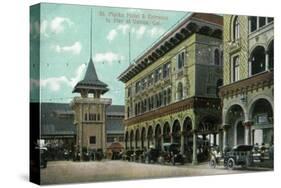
241	155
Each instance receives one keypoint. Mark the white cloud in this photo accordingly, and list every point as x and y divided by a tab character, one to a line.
58	24
55	83
140	31
156	31
74	49
78	75
109	57
111	35
123	27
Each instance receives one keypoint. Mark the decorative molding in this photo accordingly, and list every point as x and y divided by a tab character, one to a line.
249	84
189	103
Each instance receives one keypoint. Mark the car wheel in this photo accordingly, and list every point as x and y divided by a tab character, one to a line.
230	164
212	163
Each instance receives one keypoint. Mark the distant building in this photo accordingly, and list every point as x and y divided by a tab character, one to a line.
59	132
248	89
171	91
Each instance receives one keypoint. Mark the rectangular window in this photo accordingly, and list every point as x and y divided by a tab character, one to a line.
269	19
261	21
149	80
143	83
261	119
138	86
166	70
85	116
253	22
180	60
92	139
129	91
235	68
157	75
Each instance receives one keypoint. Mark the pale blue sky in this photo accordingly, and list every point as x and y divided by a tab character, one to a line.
65	45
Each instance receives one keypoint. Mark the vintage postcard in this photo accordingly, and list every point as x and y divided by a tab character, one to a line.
128	93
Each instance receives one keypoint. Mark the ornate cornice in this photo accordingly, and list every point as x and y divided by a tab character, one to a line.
249	84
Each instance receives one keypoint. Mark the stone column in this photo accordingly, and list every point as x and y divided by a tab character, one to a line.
248	132
215	139
182	143
172	139
253	136
162	141
194	157
184	90
225	139
221	140
250	68
266	60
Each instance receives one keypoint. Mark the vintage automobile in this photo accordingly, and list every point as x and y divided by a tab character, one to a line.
172	153
240	155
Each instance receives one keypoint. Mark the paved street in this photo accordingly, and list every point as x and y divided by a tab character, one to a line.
70	172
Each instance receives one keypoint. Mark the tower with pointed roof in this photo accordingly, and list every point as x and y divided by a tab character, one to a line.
89	109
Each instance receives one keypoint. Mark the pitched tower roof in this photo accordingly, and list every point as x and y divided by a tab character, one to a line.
91	83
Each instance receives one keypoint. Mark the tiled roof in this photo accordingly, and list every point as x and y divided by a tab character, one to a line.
54	124
57	119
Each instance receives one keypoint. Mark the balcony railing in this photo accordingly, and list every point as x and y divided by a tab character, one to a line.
251	83
106	101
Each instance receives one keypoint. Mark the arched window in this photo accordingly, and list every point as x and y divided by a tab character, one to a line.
180	91
258	60
217	57
236	28
180	60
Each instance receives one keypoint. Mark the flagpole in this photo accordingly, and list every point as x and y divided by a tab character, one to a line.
129	48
